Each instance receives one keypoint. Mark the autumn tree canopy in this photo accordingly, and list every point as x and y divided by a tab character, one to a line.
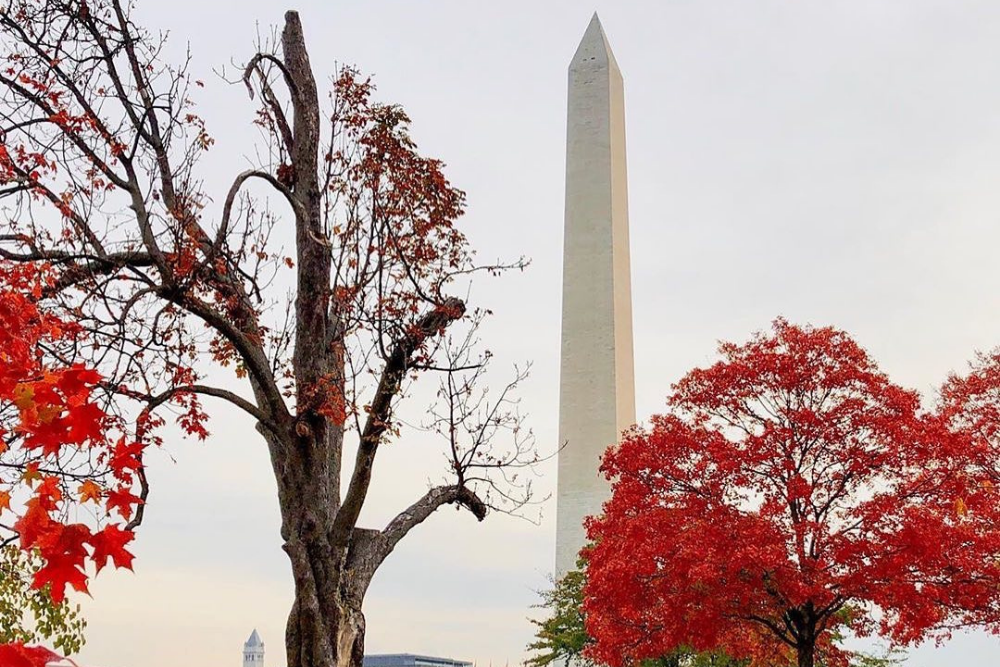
561	637
327	278
793	494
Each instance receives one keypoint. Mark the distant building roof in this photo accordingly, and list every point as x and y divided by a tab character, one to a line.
411	660
254	640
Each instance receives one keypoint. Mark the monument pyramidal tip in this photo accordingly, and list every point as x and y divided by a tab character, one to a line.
597	386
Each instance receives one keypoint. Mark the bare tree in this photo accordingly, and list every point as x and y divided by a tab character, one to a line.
100	146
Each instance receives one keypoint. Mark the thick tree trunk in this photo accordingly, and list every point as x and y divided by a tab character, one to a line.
324	633
806	654
326	627
331	638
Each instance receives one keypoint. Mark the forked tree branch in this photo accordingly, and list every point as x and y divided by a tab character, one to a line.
380	411
268	93
370	548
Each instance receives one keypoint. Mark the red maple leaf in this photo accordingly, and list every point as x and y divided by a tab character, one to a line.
64	554
122	500
125	458
19	655
110	543
76	381
59	572
33	523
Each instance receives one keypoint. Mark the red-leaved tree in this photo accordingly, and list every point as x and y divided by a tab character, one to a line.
793	495
99	148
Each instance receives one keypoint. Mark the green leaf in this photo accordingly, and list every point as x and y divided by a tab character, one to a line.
29	615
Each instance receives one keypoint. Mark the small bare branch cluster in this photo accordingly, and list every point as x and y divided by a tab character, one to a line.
473	420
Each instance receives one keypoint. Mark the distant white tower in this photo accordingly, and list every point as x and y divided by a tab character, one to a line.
597	386
253	651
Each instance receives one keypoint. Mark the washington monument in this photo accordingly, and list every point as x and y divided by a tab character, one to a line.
597	387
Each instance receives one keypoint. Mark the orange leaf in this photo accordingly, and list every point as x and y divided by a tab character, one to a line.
23	395
31	473
90	490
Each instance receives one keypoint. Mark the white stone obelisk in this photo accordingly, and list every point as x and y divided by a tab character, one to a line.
597	386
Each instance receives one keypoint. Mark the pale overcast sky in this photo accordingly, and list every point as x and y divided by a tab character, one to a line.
832	162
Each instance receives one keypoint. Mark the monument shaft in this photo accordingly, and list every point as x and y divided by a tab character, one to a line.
597	387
